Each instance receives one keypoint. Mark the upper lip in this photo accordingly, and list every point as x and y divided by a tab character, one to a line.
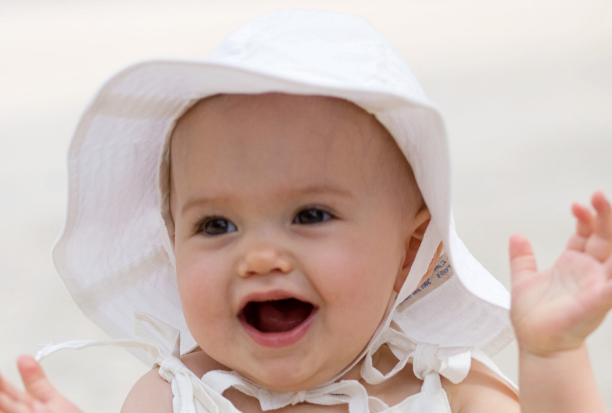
271	295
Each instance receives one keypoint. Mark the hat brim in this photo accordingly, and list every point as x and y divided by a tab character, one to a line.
111	252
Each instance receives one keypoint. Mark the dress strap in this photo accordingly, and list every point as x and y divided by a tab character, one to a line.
162	343
432	398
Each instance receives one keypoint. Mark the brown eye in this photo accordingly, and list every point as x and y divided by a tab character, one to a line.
217	226
311	216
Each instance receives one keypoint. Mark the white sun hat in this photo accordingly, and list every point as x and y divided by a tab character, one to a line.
114	253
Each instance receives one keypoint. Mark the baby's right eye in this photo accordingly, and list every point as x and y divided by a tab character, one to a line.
216	226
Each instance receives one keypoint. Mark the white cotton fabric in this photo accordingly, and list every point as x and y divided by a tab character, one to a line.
115	254
192	394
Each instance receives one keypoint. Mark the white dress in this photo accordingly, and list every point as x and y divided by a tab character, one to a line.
193	394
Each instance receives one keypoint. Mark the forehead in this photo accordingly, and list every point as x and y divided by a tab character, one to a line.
240	139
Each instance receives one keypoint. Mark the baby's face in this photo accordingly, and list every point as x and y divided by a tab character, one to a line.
294	216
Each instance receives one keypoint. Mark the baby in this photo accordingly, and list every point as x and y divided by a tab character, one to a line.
304	244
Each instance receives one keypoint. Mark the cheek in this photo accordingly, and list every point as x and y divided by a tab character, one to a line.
356	277
202	288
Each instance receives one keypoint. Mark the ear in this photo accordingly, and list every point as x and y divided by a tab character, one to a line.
413	243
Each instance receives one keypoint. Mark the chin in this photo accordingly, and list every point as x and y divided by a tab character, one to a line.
286	377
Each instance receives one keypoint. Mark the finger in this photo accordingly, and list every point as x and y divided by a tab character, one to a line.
522	260
10	405
584	216
603	226
584	227
577	243
34	379
13	392
600	244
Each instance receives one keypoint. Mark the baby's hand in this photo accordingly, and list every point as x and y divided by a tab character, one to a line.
556	309
39	397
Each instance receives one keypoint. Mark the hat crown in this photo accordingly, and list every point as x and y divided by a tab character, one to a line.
320	47
115	254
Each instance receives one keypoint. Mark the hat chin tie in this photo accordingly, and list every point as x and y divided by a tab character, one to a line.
385	333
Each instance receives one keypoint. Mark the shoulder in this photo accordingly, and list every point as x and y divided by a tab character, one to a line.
152	394
481	391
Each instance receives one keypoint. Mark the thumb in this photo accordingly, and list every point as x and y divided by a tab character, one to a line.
34	379
522	260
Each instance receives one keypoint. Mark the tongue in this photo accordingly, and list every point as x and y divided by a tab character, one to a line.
280	316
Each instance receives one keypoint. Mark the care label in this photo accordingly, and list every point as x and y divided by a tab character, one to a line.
441	273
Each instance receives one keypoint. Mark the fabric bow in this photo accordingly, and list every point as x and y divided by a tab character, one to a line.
346	391
454	363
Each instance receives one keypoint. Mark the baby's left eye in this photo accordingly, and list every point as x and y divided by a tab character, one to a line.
312	216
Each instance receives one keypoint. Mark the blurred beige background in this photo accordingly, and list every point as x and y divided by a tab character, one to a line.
525	86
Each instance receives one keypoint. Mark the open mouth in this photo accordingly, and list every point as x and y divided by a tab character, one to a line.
276	316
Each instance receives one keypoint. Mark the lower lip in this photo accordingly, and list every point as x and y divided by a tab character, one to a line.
286	338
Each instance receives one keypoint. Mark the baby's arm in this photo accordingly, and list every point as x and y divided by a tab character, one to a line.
560	382
554	310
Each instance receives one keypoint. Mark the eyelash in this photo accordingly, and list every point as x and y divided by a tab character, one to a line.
201	223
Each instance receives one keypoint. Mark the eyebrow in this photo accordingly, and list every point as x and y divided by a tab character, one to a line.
293	192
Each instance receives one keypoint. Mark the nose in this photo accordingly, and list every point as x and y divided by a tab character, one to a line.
264	259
